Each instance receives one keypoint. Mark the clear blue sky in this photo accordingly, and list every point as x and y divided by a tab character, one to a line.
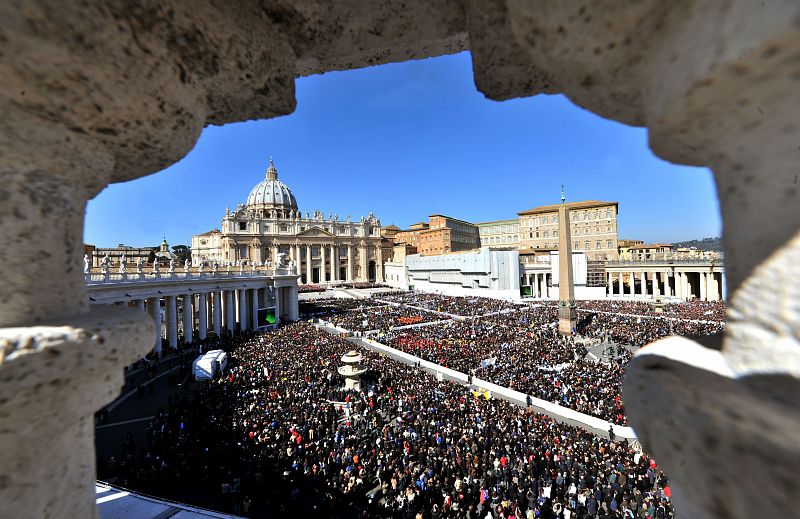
406	141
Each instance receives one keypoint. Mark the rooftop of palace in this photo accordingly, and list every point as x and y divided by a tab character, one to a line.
586	204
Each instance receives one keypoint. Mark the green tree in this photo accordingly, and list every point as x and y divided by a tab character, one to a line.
183	252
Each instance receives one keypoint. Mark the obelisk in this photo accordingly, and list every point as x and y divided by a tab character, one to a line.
567	318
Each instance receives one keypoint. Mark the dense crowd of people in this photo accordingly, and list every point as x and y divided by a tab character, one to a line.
689	310
277	435
461	306
522	350
384	317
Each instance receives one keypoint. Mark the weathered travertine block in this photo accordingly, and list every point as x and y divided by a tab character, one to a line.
52	380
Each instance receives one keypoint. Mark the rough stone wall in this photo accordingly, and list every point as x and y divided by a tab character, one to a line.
100	92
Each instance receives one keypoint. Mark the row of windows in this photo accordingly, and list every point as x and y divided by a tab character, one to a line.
598	244
595	215
502	239
499	229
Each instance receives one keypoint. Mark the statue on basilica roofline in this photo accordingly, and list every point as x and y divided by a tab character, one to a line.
186	265
104	264
348	218
86	264
155	266
171	265
139	265
123	268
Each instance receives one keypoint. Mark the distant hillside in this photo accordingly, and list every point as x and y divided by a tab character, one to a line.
704	244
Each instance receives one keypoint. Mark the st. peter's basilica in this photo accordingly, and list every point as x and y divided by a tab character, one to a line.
270	224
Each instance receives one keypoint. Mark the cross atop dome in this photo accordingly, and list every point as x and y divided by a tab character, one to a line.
272	173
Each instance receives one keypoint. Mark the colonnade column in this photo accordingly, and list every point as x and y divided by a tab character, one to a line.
294	309
188	318
154	310
322	256
216	312
242	309
254	309
230	316
349	262
687	287
704	286
724	287
656	288
278	305
610	291
309	272
140	304
644	283
172	321
202	303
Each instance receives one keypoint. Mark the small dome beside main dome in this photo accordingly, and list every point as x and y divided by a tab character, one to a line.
271	193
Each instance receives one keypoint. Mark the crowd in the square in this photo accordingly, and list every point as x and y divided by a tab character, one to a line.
687	310
461	306
523	350
268	439
384	317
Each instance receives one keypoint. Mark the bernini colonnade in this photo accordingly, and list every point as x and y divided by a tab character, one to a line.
101	92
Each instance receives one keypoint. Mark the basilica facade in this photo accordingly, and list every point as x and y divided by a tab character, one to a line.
270	228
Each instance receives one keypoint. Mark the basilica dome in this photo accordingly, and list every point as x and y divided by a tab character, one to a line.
271	194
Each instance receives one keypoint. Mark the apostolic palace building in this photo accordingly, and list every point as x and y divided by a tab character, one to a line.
270	228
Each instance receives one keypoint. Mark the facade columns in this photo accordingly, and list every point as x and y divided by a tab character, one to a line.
230	315
362	262
242	309
274	255
172	321
656	288
610	291
644	283
349	262
202	304
140	304
378	264
334	262
154	310
323	278
309	271
188	318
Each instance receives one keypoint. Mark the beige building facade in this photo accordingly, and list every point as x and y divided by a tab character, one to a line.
593	227
269	229
499	233
441	235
